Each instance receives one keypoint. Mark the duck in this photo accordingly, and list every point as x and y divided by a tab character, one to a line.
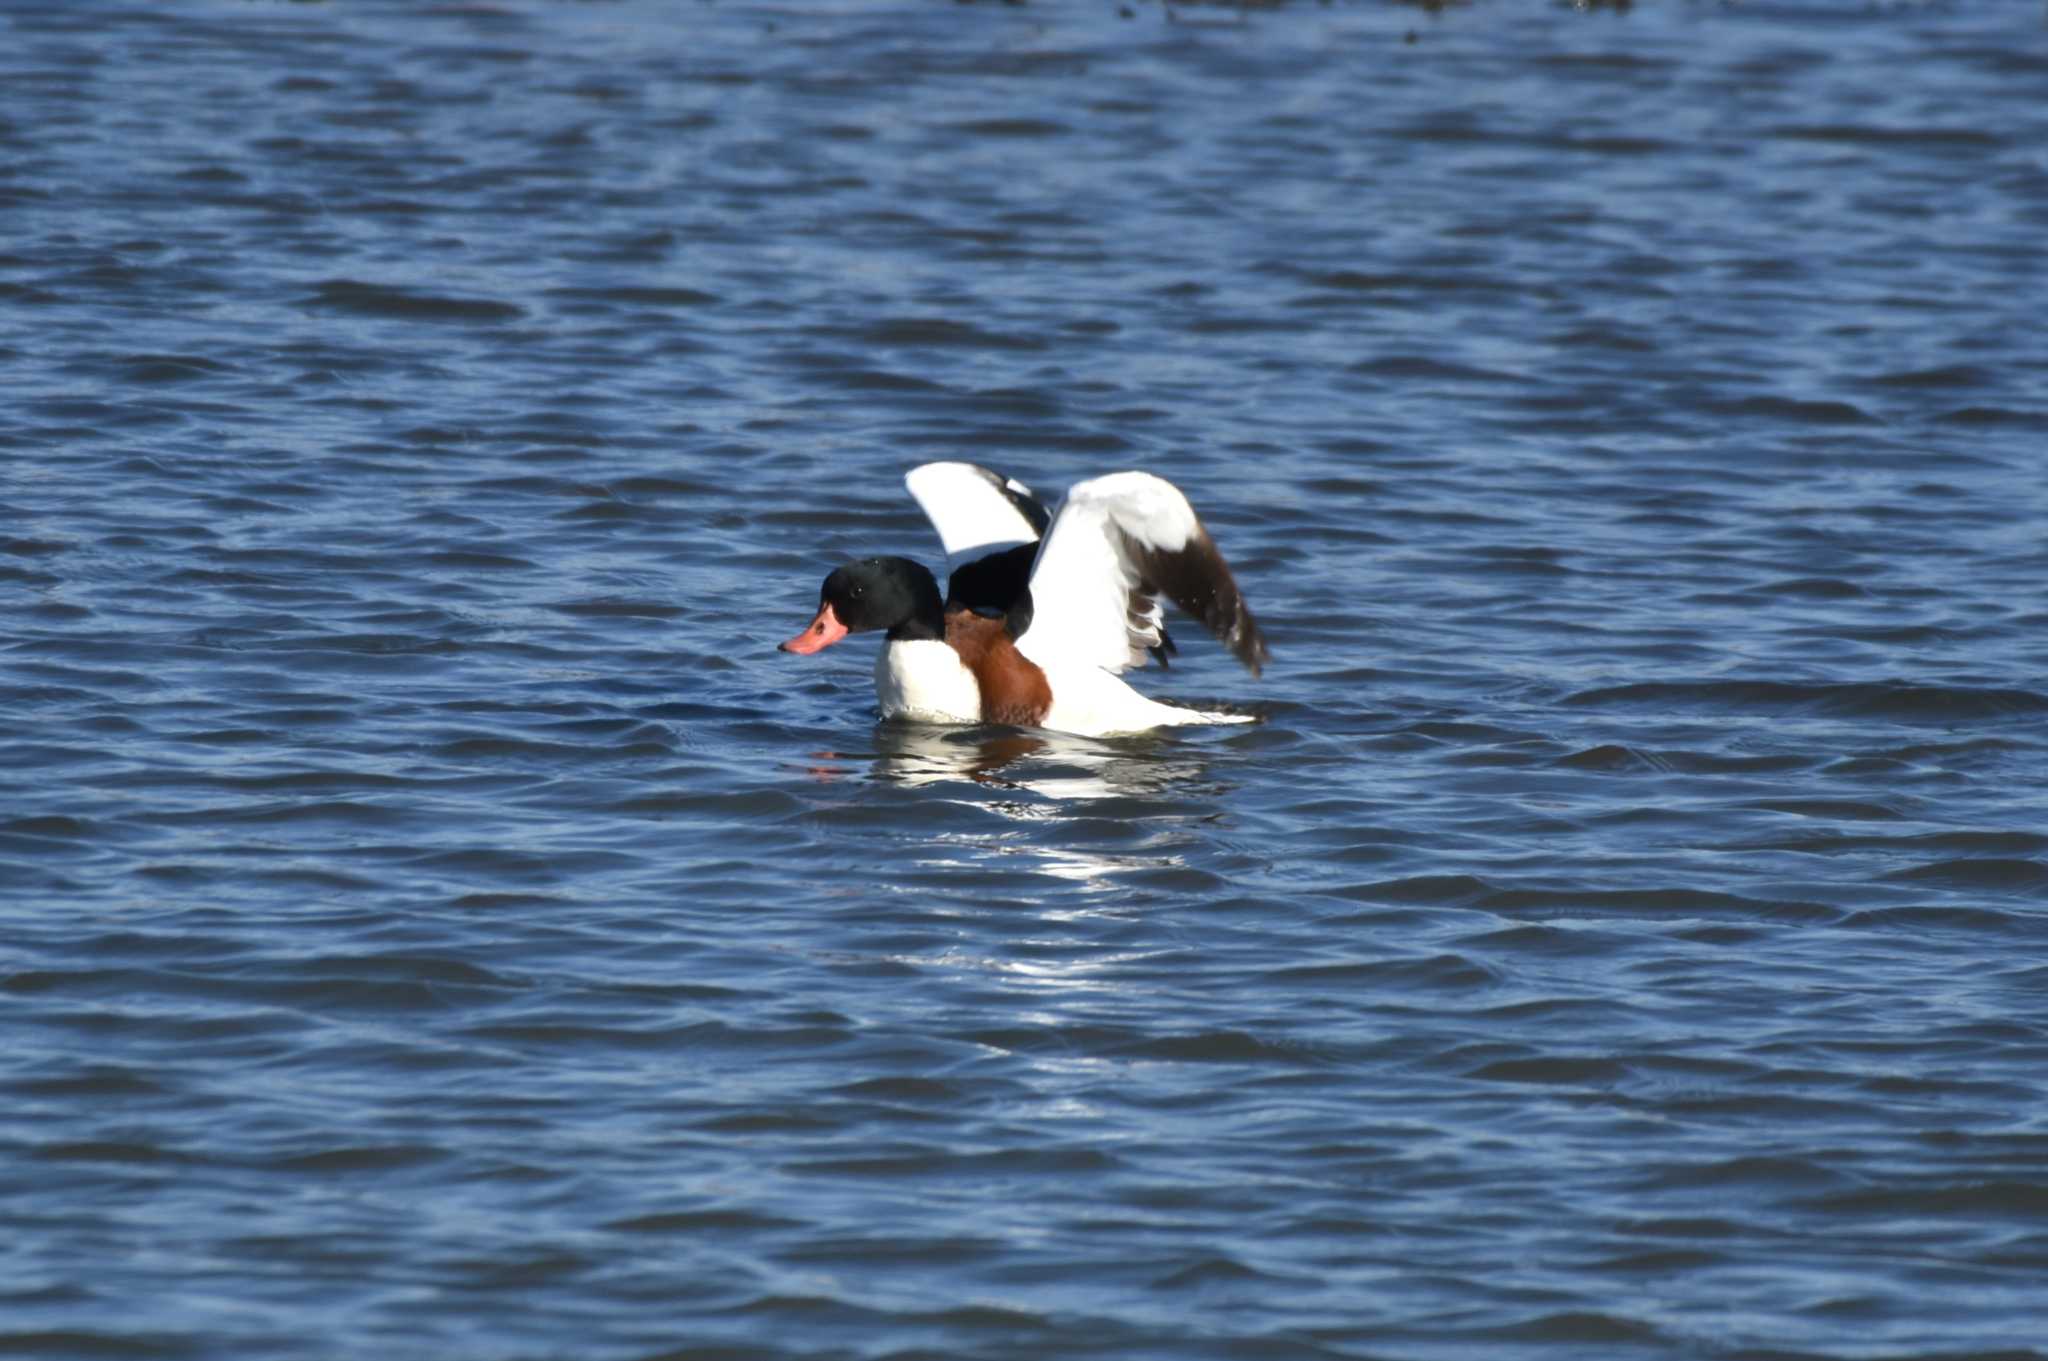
1043	610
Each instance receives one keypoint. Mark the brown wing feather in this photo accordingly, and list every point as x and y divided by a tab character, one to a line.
1197	579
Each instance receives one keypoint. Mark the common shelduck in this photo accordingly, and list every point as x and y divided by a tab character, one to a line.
1041	612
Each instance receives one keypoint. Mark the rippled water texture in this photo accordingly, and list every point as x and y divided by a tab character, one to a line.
434	921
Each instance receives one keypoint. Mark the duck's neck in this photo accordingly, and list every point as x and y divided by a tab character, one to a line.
927	619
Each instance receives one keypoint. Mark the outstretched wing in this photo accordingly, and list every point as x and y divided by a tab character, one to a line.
975	510
1116	545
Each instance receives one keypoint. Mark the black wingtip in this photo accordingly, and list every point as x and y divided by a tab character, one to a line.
1253	651
1020	496
1240	633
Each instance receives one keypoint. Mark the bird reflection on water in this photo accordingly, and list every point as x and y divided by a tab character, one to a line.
1055	767
1089	810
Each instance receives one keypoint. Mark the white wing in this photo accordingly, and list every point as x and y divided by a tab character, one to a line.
1116	544
976	511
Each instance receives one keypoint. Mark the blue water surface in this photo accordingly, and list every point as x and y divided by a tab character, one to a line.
435	921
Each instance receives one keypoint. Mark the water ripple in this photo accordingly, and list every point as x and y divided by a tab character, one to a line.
427	889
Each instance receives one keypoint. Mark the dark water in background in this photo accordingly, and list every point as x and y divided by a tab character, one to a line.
434	922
